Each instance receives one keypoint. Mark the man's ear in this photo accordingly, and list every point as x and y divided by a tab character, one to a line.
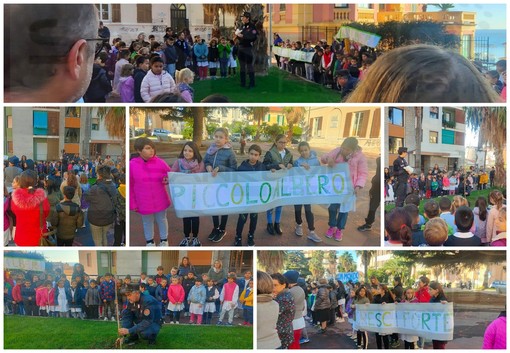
77	58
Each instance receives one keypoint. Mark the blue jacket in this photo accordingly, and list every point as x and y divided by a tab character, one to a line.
245	166
76	298
162	293
107	290
197	294
68	295
170	54
201	52
143	317
27	292
224	158
312	161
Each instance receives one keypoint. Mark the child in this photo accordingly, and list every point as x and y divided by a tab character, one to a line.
189	161
184	80
447	211
157	81
151	286
228	298
500	238
187	284
437	296
160	276
162	296
246	299
495	199
362	297
428	187
456	203
277	158
435	232
68	218
409	340
390	194
349	152
214	57
417	232
196	301
107	294
464	219
62	299
127	84
308	159
232	59
28	295
76	301
252	164
171	55
434	186
431	209
397	225
220	157
143	278
224	56
480	213
92	301
151	205
42	298
201	52
453	184
175	300
211	295
350	313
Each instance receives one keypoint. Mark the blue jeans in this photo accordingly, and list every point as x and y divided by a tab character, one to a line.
248	314
277	215
337	219
170	68
148	225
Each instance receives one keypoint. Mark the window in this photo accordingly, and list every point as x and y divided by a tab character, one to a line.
280	119
282	7
73	112
104	260
433	137
434	112
72	135
104	12
396	116
364	6
9	122
40	123
89	260
447	116
95	124
208	17
395	143
341	6
115	13
358	125
143	13
267	118
334	122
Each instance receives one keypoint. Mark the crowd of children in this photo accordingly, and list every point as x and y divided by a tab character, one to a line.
220	158
69	196
158	71
196	296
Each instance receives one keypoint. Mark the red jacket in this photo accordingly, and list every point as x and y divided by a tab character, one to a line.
26	207
423	295
16	293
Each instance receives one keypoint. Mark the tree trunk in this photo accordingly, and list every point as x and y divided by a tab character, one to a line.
418	136
198	125
216	33
500	174
486	279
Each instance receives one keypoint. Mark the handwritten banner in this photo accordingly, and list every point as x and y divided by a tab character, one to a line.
348	276
429	320
359	36
202	194
293	54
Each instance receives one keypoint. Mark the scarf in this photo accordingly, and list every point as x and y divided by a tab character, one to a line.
213	148
187	166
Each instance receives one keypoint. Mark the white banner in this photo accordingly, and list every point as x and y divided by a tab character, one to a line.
429	320
294	54
17	263
242	192
359	36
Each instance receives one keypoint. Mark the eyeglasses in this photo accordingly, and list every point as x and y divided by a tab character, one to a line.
99	45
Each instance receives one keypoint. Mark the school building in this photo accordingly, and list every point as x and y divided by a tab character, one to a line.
41	133
330	126
133	262
442	136
128	20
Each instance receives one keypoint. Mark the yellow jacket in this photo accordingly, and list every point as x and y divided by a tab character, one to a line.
484	178
246	300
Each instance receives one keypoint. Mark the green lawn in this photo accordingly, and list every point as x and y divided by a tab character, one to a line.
277	87
471	198
56	333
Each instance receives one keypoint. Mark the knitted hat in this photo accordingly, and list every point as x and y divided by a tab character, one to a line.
291	276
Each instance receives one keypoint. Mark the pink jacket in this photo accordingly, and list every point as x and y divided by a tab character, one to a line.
495	334
44	296
358	166
147	192
154	85
175	293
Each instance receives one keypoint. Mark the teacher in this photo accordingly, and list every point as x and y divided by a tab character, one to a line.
246	35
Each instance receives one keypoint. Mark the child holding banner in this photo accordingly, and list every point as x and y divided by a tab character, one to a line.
220	157
278	157
363	296
148	190
252	164
349	152
437	296
189	161
308	159
409	340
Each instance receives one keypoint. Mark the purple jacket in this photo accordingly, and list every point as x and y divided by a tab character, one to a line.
147	193
495	334
127	89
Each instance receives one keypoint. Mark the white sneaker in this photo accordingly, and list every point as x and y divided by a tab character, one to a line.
299	230
314	237
177	322
113	319
105	319
163	243
150	244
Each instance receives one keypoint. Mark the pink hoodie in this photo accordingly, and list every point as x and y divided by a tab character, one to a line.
358	166
495	334
175	293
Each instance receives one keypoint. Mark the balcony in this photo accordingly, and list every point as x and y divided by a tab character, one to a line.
386	16
444	17
448	124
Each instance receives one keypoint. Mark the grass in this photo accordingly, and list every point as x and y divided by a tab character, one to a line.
471	198
277	87
58	333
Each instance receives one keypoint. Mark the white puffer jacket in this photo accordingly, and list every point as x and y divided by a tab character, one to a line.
154	85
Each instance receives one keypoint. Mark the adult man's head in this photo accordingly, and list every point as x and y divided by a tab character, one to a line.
49	51
246	17
402	152
104	172
133	296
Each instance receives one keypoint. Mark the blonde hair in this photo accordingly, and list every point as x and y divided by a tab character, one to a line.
435	232
126	70
497	198
457	202
264	283
184	75
501	220
423	73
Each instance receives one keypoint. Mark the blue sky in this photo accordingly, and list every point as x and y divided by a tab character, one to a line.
488	16
69	256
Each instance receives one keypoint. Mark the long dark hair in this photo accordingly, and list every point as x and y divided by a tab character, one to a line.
28	180
481	203
398	225
194	147
437	286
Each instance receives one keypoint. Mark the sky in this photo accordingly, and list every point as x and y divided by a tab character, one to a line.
488	16
65	256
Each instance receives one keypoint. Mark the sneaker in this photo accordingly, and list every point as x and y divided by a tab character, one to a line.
251	242
365	227
150	244
219	236
228	324
163	243
299	230
331	232
314	237
338	235
304	340
191	323
219	323
321	331
195	242
395	344
213	234
177	322
340	319
171	322
184	242
239	241
105	319
112	319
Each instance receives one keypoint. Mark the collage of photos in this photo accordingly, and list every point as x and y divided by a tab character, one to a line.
346	162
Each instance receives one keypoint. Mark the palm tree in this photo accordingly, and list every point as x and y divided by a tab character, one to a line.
294	116
316	265
346	262
115	123
490	122
258	114
366	257
444	7
271	261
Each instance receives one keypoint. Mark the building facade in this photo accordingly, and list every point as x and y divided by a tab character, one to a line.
41	133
